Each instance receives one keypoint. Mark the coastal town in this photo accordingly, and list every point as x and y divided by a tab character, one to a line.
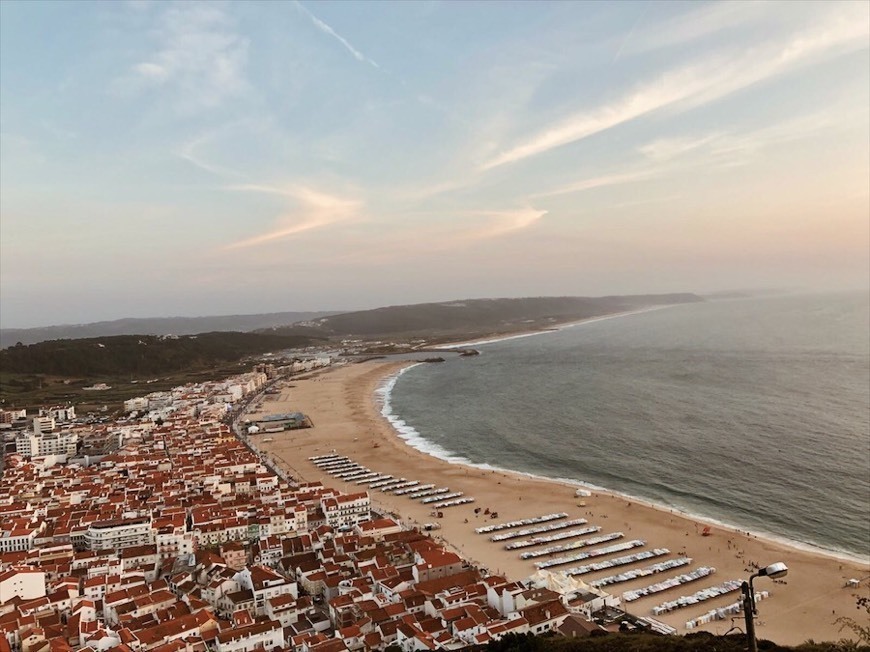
177	526
518	326
165	530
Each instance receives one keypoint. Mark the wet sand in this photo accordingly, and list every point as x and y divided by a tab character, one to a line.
341	404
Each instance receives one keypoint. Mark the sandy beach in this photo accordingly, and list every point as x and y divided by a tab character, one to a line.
341	404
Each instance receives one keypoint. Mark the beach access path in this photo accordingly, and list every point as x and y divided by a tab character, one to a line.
341	403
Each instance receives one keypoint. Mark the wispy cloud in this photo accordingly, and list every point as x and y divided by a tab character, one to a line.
445	233
699	84
201	59
667	155
648	200
736	147
419	193
326	29
602	181
504	222
628	37
313	210
701	22
189	151
664	149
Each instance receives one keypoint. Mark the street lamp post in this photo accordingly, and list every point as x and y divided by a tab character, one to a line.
773	571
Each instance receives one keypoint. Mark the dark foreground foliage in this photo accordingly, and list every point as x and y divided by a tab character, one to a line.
700	642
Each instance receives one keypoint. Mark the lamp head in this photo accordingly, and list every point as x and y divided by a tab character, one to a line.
774	571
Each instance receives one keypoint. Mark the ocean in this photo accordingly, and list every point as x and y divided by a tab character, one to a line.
750	412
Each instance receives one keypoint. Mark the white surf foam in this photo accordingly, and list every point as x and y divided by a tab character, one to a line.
555	329
416	440
405	431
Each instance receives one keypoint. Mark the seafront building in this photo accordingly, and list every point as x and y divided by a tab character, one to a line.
61	445
178	537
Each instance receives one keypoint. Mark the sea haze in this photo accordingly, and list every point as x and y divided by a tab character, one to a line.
753	412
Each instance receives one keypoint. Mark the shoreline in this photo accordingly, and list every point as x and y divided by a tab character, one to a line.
554	329
348	420
456	458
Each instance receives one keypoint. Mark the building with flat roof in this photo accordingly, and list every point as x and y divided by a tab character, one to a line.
279	422
44	444
119	533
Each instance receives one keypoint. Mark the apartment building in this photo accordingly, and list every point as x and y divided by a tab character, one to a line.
43	444
24	583
119	533
347	510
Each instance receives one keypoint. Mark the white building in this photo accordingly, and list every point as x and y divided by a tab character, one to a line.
18	414
265	584
41	444
346	510
43	423
16	536
378	528
59	413
25	583
266	635
119	533
138	404
174	544
236	391
217	532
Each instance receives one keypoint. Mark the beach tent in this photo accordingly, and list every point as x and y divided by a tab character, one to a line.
561	583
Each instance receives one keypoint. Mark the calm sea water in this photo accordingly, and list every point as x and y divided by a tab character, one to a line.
751	412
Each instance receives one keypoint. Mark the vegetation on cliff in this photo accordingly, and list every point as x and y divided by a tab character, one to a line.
484	315
139	355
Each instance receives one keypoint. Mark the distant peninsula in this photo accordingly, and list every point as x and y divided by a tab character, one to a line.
154	326
59	369
476	318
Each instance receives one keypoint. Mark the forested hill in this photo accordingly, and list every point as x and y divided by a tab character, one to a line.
485	315
155	326
140	355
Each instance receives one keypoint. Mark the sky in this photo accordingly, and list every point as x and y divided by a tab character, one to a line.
181	159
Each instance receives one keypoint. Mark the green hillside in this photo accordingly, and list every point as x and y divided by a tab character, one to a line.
139	355
485	315
58	371
154	326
